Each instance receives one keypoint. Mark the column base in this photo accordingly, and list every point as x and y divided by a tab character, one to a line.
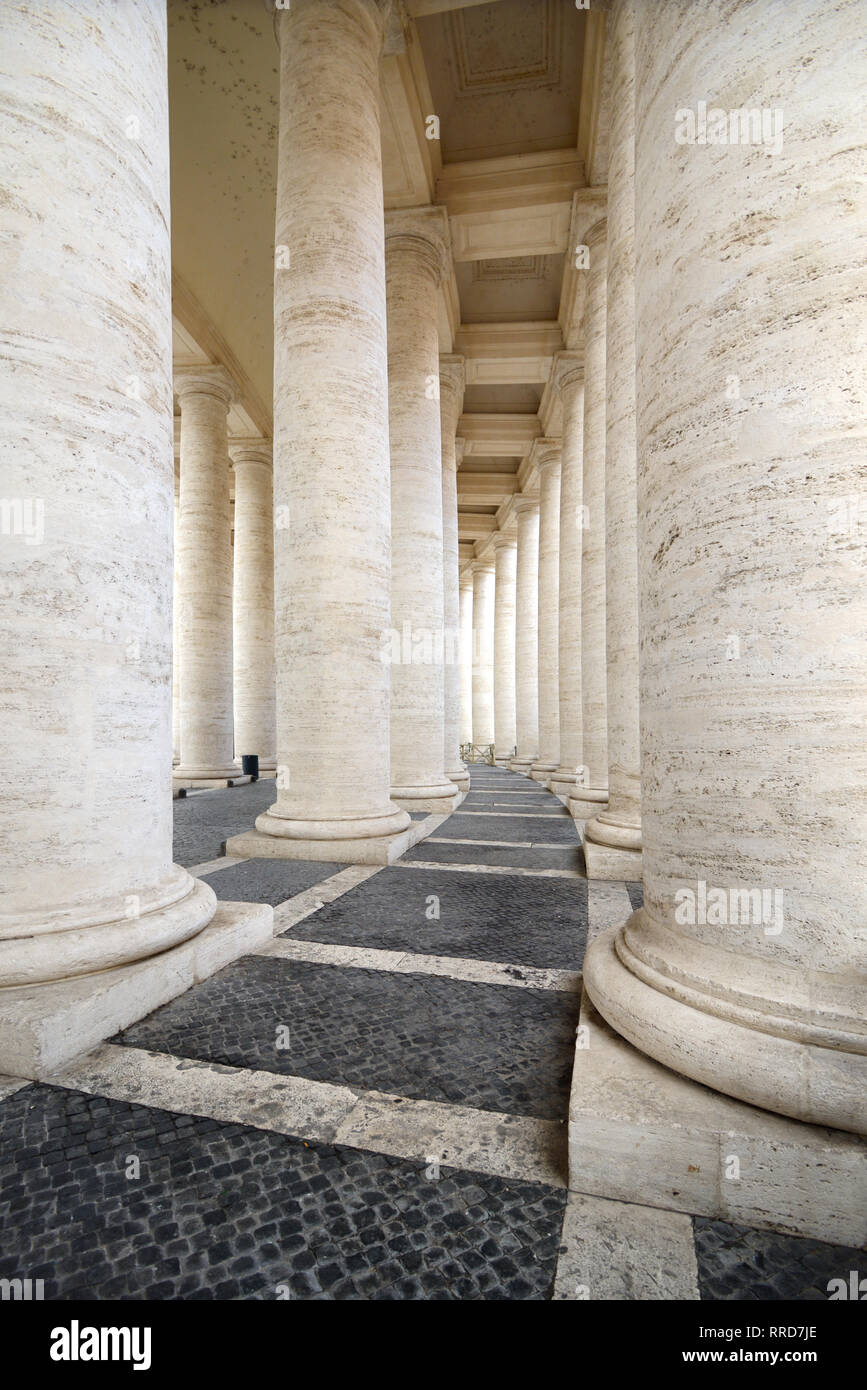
522	765
369	849
586	802
563	784
612	848
461	779
440	799
44	1027
729	1049
640	1133
541	772
502	759
611	862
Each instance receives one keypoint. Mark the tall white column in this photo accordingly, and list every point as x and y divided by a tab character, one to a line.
88	882
548	463
527	635
591	795
569	380
416	261
176	663
505	574
253	627
331	457
612	840
746	969
205	579
466	592
483	652
452	379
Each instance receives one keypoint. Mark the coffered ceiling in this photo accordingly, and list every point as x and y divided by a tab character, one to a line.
516	86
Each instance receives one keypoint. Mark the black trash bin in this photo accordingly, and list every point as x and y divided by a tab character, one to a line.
250	765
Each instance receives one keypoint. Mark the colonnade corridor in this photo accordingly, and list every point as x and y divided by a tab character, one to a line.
433	661
375	1103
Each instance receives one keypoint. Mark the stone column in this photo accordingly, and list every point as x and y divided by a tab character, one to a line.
467	656
452	377
506	565
205	580
746	967
86	548
416	261
483	652
527	635
569	380
253	628
331	459
612	840
592	795
548	463
176	663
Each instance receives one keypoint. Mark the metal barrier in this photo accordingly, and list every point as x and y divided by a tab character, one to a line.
477	753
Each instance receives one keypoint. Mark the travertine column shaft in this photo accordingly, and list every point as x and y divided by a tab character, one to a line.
88	881
548	463
416	258
592	794
569	377
483	652
452	378
205	578
747	967
253	629
527	635
176	661
331	459
612	840
466	592
506	566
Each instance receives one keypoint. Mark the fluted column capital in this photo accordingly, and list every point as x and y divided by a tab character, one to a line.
545	454
482	567
421	234
251	451
526	502
205	381
567	372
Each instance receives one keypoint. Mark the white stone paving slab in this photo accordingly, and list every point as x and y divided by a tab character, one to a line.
508	1146
620	1251
453	967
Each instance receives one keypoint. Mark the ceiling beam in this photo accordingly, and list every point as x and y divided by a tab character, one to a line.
515	205
508	354
498	436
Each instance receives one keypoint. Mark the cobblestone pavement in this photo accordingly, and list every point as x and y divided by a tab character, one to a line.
488	1046
204	820
107	1199
521	921
735	1262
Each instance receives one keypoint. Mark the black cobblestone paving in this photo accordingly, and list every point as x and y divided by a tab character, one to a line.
268	880
546	830
504	856
496	917
222	1211
736	1262
492	1047
205	820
